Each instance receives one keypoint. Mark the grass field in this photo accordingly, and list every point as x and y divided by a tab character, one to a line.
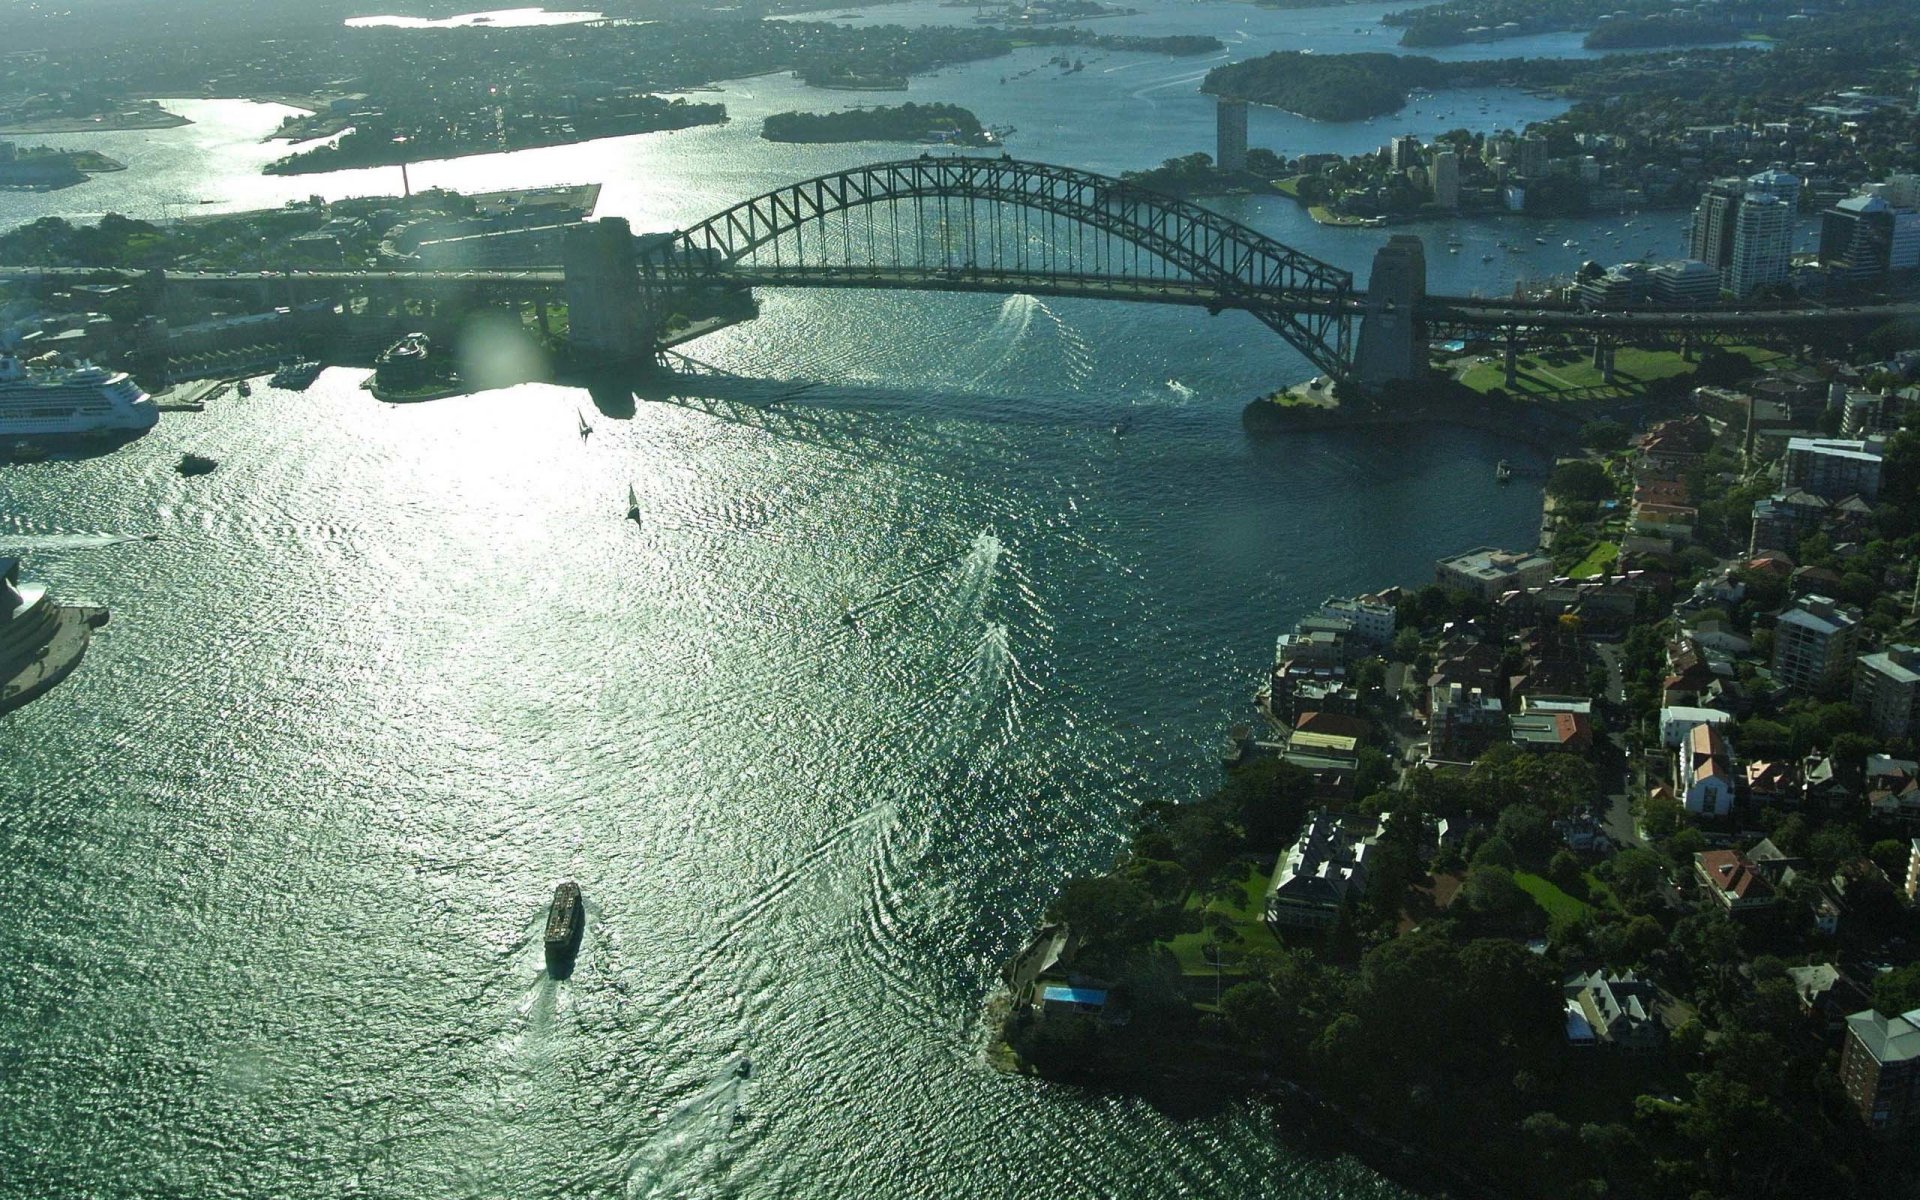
1549	897
1245	906
1597	560
1570	373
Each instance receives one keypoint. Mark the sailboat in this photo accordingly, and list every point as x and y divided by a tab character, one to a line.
585	429
633	505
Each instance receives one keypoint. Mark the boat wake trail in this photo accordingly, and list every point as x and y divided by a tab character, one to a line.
692	1142
1073	348
978	567
63	541
1009	329
892	591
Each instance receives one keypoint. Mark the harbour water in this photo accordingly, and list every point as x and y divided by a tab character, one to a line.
280	851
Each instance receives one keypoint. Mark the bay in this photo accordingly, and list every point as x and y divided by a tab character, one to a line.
281	848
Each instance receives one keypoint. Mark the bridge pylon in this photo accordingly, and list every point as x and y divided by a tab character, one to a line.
1393	342
608	319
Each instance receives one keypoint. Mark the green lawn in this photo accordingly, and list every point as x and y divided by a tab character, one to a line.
1246	906
1549	897
1569	373
1599	895
1326	216
1597	560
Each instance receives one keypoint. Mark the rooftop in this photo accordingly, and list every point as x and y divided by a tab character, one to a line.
1888	1039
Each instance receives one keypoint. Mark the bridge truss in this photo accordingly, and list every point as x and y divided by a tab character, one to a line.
999	224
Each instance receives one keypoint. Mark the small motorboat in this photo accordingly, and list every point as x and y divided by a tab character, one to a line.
1503	473
566	921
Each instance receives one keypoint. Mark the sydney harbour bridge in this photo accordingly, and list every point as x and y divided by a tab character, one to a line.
1000	225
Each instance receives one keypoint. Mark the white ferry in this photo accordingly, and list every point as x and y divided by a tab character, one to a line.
42	401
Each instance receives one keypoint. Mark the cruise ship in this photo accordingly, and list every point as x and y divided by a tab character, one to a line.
41	642
53	400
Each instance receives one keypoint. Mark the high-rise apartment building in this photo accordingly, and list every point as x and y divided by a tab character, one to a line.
1762	244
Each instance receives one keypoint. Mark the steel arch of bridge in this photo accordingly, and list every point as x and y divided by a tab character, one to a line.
1308	302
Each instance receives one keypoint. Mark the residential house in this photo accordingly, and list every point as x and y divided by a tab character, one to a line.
1703	774
1618	1009
1316	875
1822	785
1673	447
1688	672
1732	881
1827	995
1332	758
1773	782
1673	522
1893	788
1773	863
1543	731
1678	720
1716	638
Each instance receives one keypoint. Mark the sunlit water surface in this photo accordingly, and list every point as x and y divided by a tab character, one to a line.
279	852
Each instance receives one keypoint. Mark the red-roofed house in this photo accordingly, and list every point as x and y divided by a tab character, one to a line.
1703	773
1732	880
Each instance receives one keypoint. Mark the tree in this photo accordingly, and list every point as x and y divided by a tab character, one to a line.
1491	891
1891	856
1898	991
1761	739
1564	869
1604	435
1580	479
1269	801
1255	1015
1527	830
1637	876
1114	917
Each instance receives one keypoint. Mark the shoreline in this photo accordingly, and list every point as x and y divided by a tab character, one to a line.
111	123
1530	423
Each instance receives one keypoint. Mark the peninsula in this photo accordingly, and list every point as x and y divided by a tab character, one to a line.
44	168
943	123
389	141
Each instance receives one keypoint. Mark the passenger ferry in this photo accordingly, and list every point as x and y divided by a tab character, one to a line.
54	400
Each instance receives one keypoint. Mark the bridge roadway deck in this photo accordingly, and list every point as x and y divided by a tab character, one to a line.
1453	311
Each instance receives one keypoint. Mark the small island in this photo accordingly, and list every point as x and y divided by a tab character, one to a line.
46	169
944	124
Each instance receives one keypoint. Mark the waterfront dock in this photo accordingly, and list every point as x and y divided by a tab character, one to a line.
189	397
